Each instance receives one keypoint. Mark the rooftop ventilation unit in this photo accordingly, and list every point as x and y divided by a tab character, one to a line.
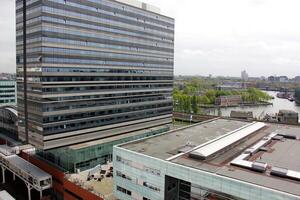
259	166
285	173
288	136
241	161
277	171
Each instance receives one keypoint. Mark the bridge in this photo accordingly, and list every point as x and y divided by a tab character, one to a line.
33	177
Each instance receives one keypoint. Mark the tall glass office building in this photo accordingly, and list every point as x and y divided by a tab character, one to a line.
95	68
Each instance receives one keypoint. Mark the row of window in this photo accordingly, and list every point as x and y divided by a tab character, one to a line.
109	78
110	29
98	70
7	91
7	95
141	166
113	11
7	100
113	20
85	104
128	47
108	95
7	86
99	55
102	113
96	35
112	7
145	184
104	44
123	190
104	120
101	88
152	16
51	59
92	79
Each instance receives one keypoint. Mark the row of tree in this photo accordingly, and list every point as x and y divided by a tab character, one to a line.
190	98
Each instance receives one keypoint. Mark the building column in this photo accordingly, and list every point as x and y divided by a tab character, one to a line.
3	175
29	191
41	194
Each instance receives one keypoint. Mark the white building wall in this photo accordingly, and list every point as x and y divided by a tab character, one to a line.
204	179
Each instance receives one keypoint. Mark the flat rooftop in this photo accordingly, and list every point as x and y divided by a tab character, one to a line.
199	146
103	187
141	5
167	145
116	137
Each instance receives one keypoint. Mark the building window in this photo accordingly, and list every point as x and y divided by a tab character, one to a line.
151	186
123	190
120	174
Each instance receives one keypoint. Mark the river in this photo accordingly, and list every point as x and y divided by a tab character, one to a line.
259	111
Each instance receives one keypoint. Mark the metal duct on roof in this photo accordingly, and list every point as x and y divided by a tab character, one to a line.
224	142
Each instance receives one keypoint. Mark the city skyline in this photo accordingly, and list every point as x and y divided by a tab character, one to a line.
263	44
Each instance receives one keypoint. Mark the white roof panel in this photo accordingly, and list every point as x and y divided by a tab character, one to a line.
26	166
228	140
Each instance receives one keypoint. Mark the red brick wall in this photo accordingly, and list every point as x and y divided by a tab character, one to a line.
60	184
84	194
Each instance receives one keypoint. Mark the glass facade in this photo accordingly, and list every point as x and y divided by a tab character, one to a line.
83	157
91	64
7	92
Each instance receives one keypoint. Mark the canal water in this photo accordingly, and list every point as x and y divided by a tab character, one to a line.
258	111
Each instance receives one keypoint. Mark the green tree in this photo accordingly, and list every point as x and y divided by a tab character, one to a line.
194	102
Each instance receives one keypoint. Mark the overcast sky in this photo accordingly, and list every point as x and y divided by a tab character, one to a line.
218	37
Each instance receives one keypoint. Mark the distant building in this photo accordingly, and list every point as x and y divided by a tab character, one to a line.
263	78
283	79
7	92
231	100
297	79
244	75
297	96
231	86
217	159
273	78
288	116
7	76
241	115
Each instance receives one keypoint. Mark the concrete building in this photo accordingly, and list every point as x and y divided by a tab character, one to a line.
273	78
217	159
244	75
95	69
7	92
283	79
297	79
